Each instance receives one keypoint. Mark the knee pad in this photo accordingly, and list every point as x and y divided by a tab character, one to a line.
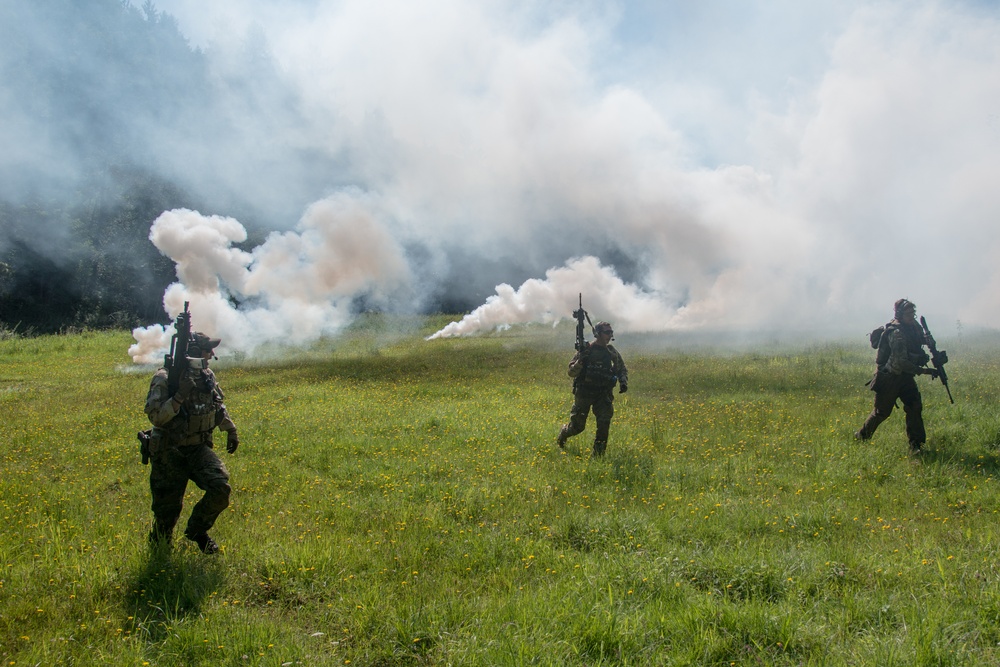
220	489
221	486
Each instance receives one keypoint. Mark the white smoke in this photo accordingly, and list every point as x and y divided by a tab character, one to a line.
555	298
739	186
292	289
151	343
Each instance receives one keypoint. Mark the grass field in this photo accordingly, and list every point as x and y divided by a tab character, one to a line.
398	501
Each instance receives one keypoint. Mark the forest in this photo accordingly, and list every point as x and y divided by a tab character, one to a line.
107	111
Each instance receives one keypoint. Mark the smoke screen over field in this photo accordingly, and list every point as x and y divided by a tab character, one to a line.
728	166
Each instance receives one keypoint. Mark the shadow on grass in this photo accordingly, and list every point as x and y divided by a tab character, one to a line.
986	463
168	587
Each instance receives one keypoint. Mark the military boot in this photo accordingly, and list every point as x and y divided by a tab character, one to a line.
599	447
563	437
205	543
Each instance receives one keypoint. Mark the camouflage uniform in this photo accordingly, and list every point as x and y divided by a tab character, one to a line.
181	449
899	359
595	371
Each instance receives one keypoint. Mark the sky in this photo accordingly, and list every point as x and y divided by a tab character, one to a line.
730	165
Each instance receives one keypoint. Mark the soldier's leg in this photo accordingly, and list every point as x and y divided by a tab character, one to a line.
604	410
913	407
167	482
885	401
577	418
211	476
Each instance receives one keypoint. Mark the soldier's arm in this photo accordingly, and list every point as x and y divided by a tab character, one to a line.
620	368
576	366
225	423
884	350
222	419
161	407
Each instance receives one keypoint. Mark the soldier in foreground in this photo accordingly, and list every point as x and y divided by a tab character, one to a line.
900	358
180	445
595	369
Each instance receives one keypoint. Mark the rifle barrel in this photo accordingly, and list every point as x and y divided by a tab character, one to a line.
939	359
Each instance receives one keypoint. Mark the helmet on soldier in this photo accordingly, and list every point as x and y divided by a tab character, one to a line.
202	344
603	327
901	306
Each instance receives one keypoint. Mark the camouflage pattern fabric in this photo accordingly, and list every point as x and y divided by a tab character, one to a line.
181	451
899	358
595	373
890	387
608	363
170	470
901	349
601	402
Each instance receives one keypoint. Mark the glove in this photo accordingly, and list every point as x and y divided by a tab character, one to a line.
933	372
185	387
232	441
622	388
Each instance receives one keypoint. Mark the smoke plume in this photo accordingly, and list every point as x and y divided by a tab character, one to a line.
731	186
553	299
291	289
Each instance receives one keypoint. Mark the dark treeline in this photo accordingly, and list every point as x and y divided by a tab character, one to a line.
109	117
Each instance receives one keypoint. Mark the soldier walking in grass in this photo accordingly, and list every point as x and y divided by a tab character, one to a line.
595	369
180	446
899	359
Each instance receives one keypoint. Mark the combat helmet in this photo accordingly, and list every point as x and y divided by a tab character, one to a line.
901	306
604	327
202	343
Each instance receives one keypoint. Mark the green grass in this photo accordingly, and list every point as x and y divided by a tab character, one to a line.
402	502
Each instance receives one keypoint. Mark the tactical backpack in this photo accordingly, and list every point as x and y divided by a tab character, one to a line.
875	337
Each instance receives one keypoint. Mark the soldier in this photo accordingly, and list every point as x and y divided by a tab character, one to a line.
180	446
595	369
900	358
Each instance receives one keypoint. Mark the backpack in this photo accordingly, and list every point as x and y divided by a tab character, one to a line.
875	337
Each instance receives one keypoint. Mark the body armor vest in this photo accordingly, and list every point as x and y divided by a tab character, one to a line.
599	373
197	418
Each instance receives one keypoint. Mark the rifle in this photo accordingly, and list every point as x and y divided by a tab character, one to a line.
938	357
176	361
578	315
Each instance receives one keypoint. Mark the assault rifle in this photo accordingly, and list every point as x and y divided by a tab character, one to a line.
176	360
579	315
938	357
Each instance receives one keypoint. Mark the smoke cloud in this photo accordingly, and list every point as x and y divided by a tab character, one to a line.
676	164
553	299
291	289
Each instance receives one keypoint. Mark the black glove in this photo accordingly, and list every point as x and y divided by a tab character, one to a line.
232	441
186	387
622	388
933	372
